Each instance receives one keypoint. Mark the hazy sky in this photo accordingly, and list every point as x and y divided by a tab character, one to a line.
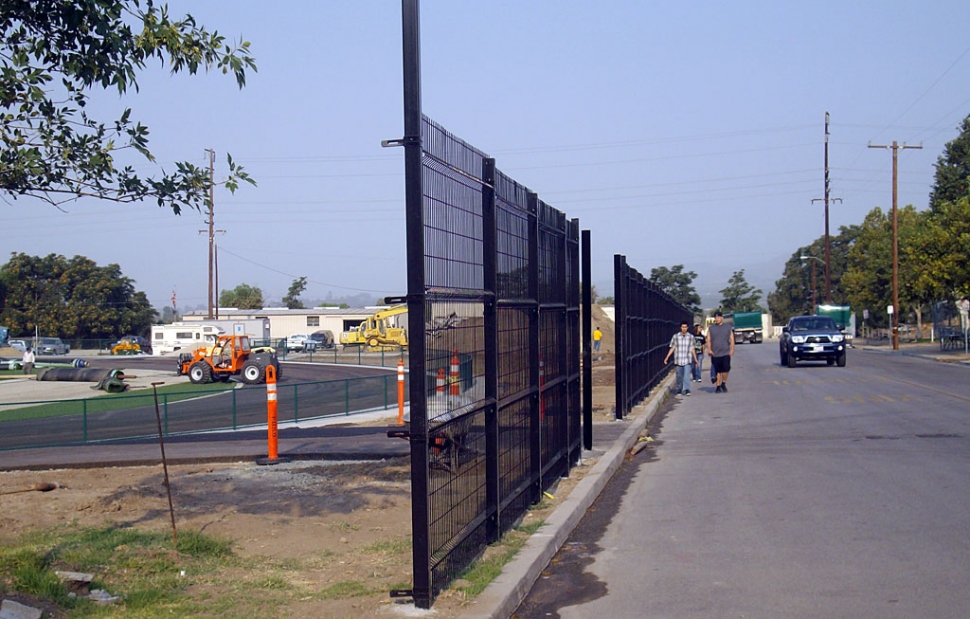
678	133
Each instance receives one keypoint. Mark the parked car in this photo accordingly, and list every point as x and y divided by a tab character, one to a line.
20	345
812	338
296	342
322	339
52	346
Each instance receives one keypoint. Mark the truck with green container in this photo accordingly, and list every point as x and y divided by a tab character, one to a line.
841	314
748	327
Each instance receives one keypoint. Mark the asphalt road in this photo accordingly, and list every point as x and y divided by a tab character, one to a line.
301	393
809	492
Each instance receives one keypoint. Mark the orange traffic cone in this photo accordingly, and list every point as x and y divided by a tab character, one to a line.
455	377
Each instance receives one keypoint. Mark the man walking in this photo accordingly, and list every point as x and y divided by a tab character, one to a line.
720	345
597	339
682	348
700	343
28	360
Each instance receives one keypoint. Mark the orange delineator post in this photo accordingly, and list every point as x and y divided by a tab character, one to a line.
271	413
439	386
400	392
455	377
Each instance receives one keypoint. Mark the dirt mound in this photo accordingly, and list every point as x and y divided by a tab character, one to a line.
602	320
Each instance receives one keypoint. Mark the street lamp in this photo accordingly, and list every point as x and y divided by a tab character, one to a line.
804	257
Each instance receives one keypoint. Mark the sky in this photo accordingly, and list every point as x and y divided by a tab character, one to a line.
677	133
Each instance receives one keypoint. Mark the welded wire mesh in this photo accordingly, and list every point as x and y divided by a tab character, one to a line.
497	285
646	319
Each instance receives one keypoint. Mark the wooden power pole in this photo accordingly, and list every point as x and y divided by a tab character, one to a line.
828	251
212	231
895	147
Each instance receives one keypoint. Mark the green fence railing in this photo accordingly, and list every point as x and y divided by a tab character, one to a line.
205	408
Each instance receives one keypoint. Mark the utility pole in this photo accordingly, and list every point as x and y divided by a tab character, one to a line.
895	315
828	254
212	231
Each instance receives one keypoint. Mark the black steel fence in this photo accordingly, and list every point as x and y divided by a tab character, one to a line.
494	285
646	318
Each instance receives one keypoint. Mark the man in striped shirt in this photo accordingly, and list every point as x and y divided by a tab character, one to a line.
682	349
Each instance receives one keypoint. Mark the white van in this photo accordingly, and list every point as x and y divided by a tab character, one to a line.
183	336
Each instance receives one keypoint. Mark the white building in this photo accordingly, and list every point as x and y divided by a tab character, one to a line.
284	322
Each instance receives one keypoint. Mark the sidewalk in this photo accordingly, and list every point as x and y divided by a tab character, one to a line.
927	350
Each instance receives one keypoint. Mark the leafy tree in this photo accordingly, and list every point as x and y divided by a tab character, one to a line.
606	301
793	292
740	296
952	169
937	251
52	54
71	298
291	300
679	285
242	296
868	278
940	243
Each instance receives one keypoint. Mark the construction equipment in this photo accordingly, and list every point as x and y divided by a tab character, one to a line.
377	332
131	345
230	355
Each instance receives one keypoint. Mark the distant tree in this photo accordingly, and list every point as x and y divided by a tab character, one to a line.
740	296
606	301
242	296
952	169
936	249
71	298
168	315
678	284
52	54
291	300
868	280
793	292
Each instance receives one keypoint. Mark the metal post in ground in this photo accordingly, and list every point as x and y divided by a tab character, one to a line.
168	487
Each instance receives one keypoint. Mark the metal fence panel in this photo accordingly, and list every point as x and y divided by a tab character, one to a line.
499	294
646	319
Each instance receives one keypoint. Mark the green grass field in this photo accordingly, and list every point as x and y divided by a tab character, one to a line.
106	402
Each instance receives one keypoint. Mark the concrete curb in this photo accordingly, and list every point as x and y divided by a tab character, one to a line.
504	594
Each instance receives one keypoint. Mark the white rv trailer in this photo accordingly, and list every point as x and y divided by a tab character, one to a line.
183	336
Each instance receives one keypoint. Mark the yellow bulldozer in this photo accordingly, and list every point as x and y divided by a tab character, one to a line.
377	333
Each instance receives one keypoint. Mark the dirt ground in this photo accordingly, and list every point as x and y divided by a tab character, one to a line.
336	522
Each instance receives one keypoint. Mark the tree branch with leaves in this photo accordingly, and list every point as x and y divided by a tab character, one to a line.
53	53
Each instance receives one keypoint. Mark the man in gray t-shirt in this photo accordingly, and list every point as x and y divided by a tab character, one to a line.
720	346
